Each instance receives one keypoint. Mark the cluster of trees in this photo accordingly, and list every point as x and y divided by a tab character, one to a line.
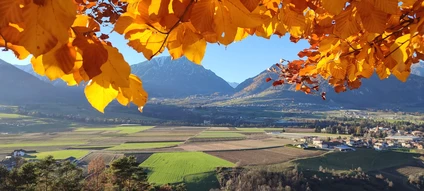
265	179
49	174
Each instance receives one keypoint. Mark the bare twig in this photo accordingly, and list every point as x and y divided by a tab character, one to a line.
172	28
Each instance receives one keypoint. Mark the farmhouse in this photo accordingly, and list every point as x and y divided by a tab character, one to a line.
343	148
19	153
355	143
404	138
381	146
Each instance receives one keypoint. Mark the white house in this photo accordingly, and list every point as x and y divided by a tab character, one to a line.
19	153
355	143
380	146
343	148
322	145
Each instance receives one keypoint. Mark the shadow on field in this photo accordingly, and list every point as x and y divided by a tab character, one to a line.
367	159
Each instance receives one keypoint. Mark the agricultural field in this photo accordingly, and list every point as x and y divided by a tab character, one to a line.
220	134
61	154
107	157
259	130
321	135
11	116
140	146
234	145
41	144
367	159
174	167
119	129
265	156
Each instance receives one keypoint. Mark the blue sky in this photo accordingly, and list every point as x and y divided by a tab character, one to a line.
234	63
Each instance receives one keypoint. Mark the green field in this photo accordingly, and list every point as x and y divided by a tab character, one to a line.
62	154
40	144
121	129
367	159
135	146
219	134
11	116
173	167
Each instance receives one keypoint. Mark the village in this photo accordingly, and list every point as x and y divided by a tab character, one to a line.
395	140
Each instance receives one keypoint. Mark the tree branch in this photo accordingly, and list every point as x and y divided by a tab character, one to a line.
172	28
399	46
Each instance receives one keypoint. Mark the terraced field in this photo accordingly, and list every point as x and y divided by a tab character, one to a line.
173	167
220	134
139	146
264	156
120	129
106	156
61	154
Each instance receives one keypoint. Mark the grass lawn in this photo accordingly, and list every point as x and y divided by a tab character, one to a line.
11	116
62	154
173	167
367	159
219	134
40	144
135	146
121	129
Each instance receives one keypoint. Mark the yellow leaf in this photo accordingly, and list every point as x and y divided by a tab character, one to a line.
351	72
175	45
338	68
374	21
180	6
250	4
10	12
47	25
116	70
100	92
328	44
158	9
19	51
194	46
294	21
388	6
364	69
58	62
347	23
240	15
399	50
93	53
135	93
241	34
382	71
148	42
84	24
334	6
225	29
202	15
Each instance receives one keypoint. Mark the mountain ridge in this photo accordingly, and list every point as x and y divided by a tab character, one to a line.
163	77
